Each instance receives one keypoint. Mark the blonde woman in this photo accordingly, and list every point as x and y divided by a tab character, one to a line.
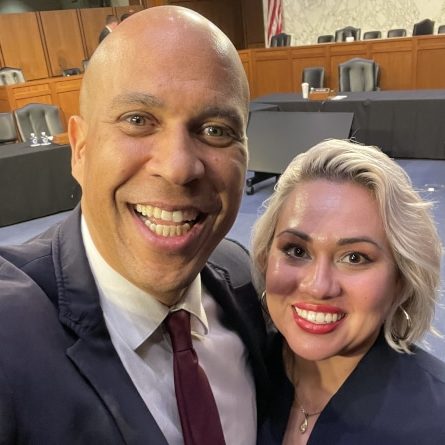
348	257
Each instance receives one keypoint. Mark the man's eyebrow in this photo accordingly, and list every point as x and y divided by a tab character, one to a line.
141	99
227	112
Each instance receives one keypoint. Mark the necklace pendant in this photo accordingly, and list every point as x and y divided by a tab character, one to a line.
303	425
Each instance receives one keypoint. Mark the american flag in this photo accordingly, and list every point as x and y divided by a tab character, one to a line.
274	22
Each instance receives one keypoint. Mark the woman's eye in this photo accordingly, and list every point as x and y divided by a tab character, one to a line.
295	251
355	258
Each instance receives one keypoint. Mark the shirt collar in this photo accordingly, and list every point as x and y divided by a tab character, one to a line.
134	313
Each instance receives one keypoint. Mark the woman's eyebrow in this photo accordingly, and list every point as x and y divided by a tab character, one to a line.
357	239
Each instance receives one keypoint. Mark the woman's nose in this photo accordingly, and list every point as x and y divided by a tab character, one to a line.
320	280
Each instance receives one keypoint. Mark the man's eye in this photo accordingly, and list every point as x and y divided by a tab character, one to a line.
217	135
213	130
136	119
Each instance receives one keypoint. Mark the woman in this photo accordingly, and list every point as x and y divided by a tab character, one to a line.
349	258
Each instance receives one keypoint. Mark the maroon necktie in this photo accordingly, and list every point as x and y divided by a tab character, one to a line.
197	408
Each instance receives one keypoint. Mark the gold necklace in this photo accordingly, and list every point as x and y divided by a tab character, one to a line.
303	425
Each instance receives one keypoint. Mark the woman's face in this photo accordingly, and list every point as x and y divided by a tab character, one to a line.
331	277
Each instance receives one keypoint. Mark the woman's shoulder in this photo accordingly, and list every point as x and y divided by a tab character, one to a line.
427	365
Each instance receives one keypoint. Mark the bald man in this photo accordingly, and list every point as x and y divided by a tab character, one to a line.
160	151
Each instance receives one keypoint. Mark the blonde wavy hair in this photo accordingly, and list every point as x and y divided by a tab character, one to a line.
407	220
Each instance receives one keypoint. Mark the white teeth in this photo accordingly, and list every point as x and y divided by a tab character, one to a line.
166	231
177	216
318	317
157	212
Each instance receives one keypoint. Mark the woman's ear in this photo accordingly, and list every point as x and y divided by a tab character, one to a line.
77	133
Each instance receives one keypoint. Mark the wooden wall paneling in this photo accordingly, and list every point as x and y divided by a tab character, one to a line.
21	44
253	23
305	57
245	57
226	15
4	99
152	3
131	9
272	71
63	40
65	92
395	59
37	91
92	22
2	60
430	66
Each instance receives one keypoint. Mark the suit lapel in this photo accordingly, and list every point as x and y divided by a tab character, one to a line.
93	352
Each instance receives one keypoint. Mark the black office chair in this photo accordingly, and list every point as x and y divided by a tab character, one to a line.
368	35
441	29
358	74
35	118
281	39
9	76
348	31
423	27
70	72
8	132
314	76
398	32
325	38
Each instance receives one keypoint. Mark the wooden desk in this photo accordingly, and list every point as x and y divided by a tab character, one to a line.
35	182
61	91
405	63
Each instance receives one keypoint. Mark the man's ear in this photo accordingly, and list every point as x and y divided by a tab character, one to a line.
77	133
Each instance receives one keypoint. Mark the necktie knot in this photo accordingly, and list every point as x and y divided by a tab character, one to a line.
178	327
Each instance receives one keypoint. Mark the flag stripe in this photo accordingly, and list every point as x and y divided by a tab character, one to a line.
274	19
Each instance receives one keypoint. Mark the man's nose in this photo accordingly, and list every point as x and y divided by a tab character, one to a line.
320	280
176	156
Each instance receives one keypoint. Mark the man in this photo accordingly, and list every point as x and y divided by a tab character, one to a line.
159	150
110	24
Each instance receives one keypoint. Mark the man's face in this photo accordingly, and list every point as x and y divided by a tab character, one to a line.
161	158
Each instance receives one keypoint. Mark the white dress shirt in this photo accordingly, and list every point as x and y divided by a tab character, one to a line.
134	320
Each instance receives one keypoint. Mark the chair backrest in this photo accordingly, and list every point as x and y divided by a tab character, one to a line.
441	29
423	27
9	76
398	32
358	75
281	39
325	38
348	31
372	35
70	72
35	118
8	132
314	76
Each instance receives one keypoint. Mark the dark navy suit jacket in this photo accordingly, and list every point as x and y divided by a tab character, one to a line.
389	399
61	380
